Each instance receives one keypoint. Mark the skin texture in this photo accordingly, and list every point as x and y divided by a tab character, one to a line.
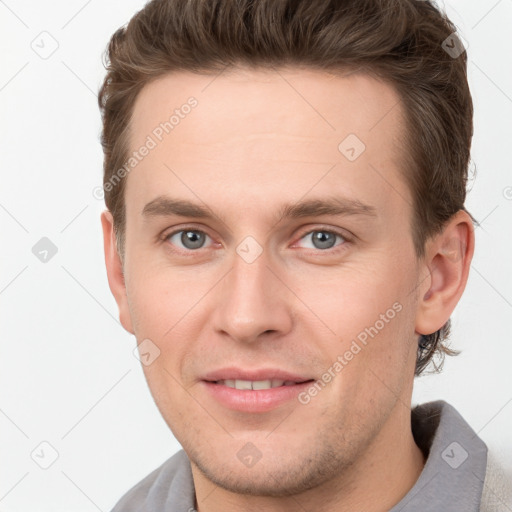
257	140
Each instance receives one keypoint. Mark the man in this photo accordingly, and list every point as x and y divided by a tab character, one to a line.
286	238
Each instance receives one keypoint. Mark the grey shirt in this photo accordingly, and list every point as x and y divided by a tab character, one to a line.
452	479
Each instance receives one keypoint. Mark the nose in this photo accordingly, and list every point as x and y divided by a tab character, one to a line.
253	302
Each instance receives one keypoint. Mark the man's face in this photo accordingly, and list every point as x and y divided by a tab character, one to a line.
250	294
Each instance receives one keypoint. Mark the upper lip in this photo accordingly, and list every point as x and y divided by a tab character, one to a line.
233	373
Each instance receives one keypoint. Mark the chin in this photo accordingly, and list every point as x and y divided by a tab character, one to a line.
280	475
270	482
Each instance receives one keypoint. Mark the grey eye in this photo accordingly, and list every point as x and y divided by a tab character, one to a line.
189	239
322	239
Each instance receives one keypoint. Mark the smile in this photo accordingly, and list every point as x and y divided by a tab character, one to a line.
254	391
255	384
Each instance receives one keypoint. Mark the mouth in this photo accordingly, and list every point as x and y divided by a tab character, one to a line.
256	385
256	391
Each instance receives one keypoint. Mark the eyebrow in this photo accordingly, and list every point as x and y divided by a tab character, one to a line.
164	206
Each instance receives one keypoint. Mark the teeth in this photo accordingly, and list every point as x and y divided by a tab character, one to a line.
243	384
262	384
255	384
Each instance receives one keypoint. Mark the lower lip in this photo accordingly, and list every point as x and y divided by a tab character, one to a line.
259	400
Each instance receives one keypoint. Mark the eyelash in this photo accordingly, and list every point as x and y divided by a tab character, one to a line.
331	231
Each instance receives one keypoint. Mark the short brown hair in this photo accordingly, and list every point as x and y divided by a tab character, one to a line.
400	41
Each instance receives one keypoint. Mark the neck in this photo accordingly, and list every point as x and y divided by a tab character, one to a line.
381	477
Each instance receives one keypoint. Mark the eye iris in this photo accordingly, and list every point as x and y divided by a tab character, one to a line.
192	239
323	239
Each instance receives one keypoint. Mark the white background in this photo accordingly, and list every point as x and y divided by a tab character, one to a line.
68	374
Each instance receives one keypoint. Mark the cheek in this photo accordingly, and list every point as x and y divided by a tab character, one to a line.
355	297
158	297
370	313
166	307
368	371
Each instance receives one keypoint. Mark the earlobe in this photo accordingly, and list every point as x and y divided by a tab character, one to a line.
115	274
448	260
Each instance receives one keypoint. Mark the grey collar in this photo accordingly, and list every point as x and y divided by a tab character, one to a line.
453	476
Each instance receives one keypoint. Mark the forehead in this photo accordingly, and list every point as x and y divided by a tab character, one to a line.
267	133
273	99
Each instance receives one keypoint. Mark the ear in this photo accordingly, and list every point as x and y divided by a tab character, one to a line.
447	261
115	270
